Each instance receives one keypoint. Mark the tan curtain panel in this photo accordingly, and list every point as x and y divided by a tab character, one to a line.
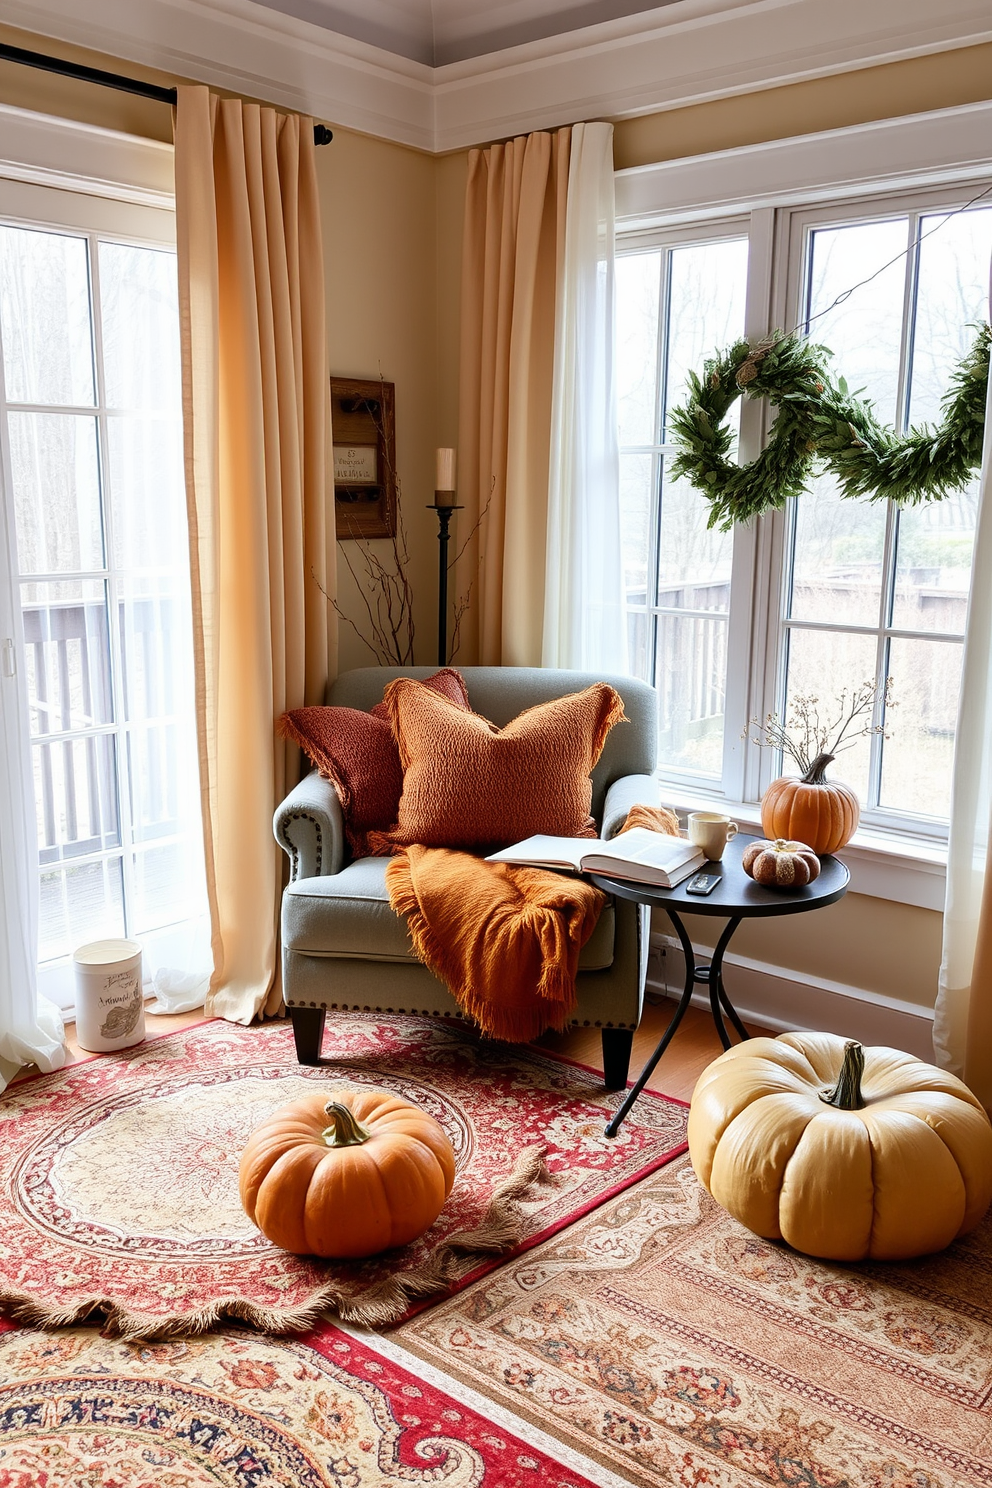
511	262
256	407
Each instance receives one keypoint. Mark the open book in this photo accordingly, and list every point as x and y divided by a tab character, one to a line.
641	855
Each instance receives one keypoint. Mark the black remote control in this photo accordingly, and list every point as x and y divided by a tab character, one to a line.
702	883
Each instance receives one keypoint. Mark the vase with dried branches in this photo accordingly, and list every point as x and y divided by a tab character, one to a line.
822	813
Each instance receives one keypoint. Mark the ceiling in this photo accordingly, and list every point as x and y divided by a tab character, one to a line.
441	31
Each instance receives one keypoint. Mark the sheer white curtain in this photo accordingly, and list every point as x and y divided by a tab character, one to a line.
583	611
30	1028
962	1032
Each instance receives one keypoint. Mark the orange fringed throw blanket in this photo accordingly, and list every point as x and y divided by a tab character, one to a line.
505	939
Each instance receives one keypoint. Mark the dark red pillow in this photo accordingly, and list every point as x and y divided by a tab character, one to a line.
357	753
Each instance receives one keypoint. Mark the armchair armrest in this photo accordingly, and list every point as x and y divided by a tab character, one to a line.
309	827
628	791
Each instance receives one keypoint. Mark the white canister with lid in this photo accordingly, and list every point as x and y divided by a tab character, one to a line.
110	1009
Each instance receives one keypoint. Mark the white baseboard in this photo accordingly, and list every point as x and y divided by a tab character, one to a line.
787	1001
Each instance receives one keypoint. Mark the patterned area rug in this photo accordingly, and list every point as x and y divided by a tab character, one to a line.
118	1178
669	1344
236	1410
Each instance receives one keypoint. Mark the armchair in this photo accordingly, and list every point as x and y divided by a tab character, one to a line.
344	949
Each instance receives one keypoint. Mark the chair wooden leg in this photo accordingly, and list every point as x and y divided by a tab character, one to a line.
308	1032
617	1044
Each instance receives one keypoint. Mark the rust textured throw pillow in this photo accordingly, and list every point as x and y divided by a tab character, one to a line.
469	784
357	753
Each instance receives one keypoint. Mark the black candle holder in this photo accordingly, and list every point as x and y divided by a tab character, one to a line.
444	505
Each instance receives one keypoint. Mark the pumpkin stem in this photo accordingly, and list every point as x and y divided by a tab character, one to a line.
846	1094
814	775
345	1129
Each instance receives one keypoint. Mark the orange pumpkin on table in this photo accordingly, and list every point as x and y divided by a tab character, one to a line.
822	813
348	1177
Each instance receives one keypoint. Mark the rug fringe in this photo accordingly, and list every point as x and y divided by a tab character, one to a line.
381	1305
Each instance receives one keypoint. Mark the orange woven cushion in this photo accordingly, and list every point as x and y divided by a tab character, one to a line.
469	784
357	753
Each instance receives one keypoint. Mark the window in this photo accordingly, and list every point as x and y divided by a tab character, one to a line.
832	592
675	302
93	492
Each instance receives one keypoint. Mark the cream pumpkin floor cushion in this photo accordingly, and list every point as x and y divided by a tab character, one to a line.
845	1153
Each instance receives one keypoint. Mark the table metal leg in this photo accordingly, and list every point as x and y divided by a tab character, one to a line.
718	996
731	1011
712	976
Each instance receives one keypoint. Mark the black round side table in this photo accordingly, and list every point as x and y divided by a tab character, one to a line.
736	897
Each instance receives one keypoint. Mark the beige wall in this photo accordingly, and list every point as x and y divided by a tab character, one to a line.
46	93
892	949
380	237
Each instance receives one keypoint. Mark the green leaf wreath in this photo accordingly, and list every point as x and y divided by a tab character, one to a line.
821	423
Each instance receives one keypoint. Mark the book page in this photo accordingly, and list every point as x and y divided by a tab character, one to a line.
554	852
655	849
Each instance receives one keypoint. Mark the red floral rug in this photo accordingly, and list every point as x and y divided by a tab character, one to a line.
237	1410
118	1177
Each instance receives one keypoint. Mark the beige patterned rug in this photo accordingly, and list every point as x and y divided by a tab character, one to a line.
665	1342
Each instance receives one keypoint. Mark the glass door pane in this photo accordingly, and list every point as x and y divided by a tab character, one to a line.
45	318
98	503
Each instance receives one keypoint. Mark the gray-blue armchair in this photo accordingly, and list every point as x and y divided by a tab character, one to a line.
343	948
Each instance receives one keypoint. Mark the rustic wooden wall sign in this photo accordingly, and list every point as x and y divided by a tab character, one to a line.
363	431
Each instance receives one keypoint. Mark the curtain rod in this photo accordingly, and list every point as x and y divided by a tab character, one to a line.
321	134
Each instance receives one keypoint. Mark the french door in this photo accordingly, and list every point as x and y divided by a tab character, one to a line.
93	496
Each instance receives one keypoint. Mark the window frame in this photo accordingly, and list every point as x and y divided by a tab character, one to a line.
795	228
852	191
738	613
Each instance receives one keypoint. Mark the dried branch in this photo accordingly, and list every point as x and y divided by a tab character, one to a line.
464	601
804	735
385	588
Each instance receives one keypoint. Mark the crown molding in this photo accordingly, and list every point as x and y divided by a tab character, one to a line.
864	159
685	52
689	52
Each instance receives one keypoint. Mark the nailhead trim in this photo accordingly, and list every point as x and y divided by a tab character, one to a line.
355	1007
286	842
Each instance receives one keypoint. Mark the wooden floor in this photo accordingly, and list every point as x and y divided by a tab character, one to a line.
692	1049
694	1046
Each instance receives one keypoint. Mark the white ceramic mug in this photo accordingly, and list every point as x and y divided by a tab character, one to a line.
711	832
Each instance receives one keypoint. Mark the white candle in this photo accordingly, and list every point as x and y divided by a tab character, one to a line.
445	470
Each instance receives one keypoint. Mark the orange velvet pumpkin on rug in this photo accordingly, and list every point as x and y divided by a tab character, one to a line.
347	1177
